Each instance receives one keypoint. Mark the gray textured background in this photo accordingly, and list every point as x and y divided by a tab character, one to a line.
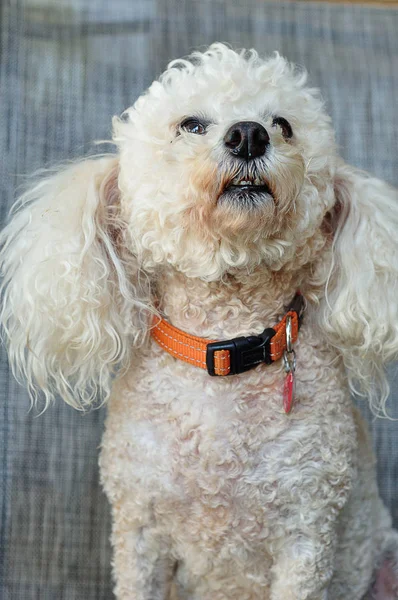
66	67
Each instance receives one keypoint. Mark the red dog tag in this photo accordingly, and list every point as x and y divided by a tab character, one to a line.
288	392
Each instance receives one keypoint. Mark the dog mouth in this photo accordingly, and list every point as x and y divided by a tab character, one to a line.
247	190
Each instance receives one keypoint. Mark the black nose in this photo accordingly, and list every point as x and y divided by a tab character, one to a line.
247	139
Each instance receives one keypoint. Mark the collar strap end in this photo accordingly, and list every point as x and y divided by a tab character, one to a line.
244	353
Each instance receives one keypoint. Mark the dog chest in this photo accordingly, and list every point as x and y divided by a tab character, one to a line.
216	462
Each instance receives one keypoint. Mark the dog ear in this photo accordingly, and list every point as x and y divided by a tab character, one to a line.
71	306
360	311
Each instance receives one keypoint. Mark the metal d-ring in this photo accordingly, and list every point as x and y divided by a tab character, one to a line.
289	356
289	347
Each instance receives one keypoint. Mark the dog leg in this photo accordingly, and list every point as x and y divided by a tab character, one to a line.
304	569
142	567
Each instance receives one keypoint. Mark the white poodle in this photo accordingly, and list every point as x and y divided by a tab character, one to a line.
226	197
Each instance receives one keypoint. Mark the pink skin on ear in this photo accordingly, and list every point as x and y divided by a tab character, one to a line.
332	219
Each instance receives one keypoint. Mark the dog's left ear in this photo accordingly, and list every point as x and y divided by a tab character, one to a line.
360	310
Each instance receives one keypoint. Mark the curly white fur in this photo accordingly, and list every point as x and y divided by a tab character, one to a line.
359	315
209	473
68	299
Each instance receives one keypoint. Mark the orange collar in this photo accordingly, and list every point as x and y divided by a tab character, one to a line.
234	356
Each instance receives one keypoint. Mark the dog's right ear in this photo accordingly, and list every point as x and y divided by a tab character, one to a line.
71	307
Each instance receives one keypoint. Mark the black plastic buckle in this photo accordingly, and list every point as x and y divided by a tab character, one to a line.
245	352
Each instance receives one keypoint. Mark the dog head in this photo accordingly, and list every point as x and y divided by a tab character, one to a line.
227	163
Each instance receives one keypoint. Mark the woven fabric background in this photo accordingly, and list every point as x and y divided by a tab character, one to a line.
66	67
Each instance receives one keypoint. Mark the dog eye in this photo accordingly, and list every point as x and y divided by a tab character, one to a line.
287	130
192	125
